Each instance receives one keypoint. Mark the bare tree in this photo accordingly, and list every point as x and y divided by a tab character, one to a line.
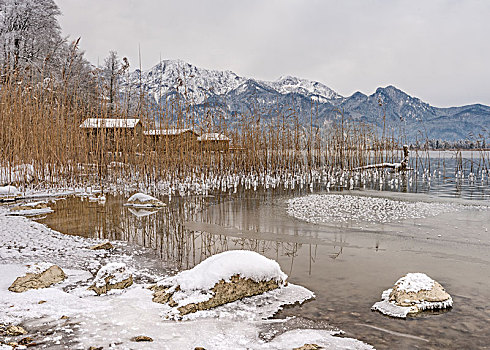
111	71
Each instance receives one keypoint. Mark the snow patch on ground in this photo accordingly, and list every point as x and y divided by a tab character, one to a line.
25	241
18	307
339	208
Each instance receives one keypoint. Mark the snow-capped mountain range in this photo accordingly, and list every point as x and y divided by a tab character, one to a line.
235	95
198	84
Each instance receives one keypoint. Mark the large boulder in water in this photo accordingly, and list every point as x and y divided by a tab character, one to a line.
218	280
411	294
38	276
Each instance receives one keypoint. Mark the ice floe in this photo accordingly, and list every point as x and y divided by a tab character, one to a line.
339	208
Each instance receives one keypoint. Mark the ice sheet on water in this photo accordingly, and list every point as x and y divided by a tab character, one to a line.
338	208
254	308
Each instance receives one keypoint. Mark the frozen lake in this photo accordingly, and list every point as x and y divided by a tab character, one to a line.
347	264
347	242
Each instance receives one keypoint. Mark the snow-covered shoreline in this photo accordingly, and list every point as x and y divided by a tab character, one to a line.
77	319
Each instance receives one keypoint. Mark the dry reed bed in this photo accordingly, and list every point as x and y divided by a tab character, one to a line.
42	147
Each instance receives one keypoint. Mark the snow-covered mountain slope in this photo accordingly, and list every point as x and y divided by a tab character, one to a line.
313	89
198	84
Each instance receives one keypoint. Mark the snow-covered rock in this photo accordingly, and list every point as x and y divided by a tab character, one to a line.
14	331
30	212
411	294
102	246
38	276
31	205
111	276
218	280
143	201
9	191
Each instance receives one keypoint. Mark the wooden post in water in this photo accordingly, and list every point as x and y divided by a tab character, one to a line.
404	162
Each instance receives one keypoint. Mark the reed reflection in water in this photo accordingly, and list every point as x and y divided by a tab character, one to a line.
183	233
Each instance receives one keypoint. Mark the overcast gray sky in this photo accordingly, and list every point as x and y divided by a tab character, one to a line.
436	50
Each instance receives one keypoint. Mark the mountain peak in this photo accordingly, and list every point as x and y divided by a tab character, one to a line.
200	83
289	84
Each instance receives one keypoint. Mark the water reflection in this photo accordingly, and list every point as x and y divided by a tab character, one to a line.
142	212
185	232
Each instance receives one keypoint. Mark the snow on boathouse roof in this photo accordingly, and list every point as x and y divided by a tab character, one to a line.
109	123
168	132
214	136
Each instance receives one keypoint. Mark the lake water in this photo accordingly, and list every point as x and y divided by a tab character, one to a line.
346	264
